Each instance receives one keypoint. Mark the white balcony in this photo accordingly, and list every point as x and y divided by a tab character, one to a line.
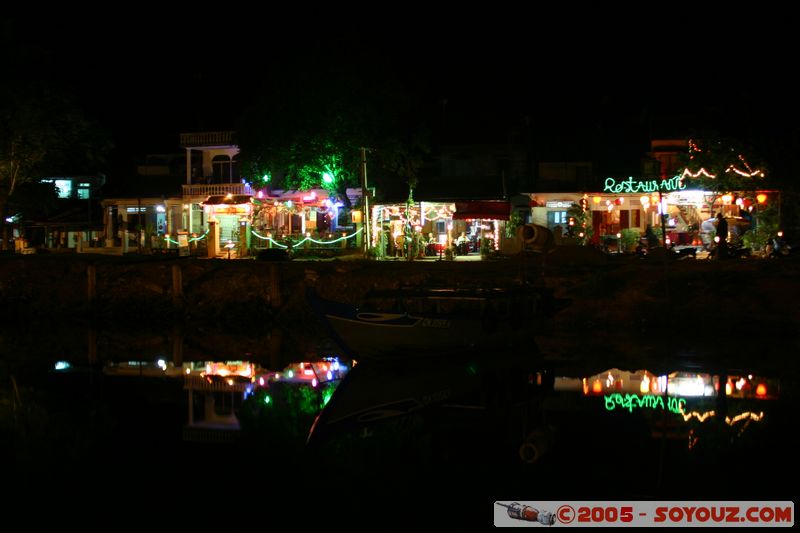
204	190
208	139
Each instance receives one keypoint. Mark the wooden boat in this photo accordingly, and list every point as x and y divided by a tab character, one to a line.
437	322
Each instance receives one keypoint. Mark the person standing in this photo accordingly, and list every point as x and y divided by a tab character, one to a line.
722	233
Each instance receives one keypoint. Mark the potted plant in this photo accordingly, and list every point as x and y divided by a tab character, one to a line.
629	238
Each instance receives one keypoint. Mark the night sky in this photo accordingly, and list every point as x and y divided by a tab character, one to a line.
573	78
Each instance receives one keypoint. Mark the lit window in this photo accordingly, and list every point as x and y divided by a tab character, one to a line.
64	188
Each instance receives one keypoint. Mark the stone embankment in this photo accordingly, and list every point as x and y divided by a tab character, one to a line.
743	310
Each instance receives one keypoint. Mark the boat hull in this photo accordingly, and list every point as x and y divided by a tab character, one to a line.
391	335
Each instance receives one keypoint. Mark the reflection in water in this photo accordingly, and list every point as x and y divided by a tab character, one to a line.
693	397
567	430
217	391
484	426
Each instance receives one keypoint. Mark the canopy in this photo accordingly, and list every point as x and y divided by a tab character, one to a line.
486	209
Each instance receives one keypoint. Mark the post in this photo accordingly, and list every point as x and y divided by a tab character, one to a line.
177	345
91	354
177	285
141	228
274	286
365	196
275	358
663	218
91	282
213	239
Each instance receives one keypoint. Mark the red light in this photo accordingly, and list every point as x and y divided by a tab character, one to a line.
761	390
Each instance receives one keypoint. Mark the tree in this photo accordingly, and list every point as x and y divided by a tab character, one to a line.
721	165
41	132
308	129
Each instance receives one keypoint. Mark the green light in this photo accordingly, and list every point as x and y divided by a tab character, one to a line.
633	401
266	177
327	178
633	186
326	395
290	374
267	399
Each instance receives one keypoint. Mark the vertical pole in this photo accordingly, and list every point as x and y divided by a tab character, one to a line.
365	196
188	166
275	349
275	286
91	283
177	285
663	219
177	346
92	345
141	221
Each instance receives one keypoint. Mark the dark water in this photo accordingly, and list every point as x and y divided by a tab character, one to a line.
397	443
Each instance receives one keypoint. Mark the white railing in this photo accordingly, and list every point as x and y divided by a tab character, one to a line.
216	188
208	138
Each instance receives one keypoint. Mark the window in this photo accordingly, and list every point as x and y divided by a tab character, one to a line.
555	218
83	193
221	165
64	188
235	169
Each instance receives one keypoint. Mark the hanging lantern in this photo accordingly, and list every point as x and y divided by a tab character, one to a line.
761	197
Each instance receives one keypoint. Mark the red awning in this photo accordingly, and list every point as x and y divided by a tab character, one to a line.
493	210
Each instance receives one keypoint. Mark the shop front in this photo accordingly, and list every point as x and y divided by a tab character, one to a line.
668	207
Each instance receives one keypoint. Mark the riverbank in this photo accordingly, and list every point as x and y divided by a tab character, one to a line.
652	310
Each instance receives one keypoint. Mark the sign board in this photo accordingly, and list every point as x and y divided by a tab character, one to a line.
631	185
553	203
183	244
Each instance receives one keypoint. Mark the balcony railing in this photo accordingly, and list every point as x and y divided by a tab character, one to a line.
216	188
208	138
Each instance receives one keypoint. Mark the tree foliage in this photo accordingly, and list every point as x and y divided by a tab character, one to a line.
720	165
41	133
313	123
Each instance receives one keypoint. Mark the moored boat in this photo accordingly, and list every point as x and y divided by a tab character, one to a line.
436	322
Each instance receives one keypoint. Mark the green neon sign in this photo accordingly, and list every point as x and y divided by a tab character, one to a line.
633	401
631	185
